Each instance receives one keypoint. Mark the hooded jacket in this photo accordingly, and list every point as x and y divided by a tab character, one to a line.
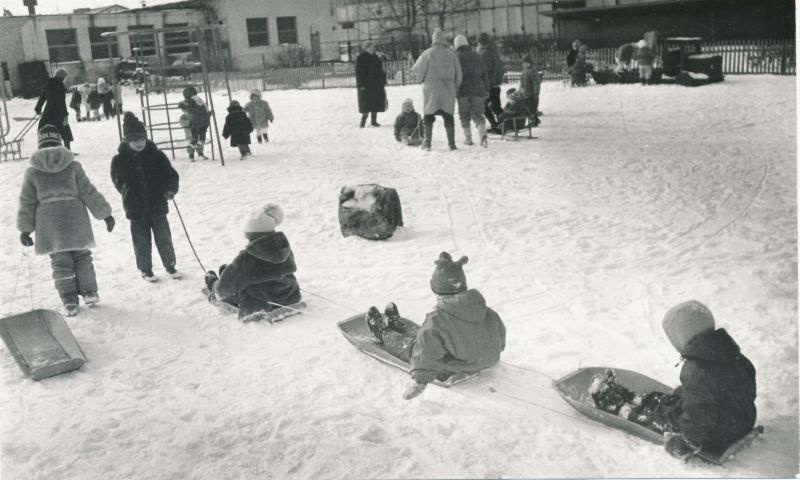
492	63
408	124
439	70
718	392
263	272
258	111
143	178
461	335
474	81
53	201
55	112
237	127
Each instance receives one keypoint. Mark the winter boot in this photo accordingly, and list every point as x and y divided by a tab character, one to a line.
266	137
363	120
91	298
149	277
484	136
468	136
392	316
258	137
375	323
374	119
426	142
69	309
173	272
451	136
414	390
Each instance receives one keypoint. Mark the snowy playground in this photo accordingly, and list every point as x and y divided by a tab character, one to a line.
630	200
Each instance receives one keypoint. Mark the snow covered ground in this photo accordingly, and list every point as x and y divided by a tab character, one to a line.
632	199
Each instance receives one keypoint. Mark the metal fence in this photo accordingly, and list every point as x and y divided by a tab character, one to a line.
738	57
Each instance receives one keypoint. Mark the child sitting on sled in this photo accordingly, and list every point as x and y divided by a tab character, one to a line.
261	278
461	334
714	406
516	113
408	125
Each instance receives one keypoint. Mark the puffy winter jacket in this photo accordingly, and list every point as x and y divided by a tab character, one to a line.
143	178
258	111
461	335
237	127
529	83
408	124
474	82
262	273
53	201
492	63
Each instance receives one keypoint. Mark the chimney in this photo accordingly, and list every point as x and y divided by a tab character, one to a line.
31	4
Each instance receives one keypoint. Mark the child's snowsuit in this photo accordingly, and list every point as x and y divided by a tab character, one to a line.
186	123
529	86
75	103
94	103
143	178
237	128
261	276
580	69
260	115
462	335
198	116
645	58
515	115
53	202
106	96
408	128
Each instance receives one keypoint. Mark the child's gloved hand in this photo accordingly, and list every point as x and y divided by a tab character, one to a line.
109	223
679	446
414	389
211	278
169	195
25	239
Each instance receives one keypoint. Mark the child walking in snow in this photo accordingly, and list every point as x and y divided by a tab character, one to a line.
260	115
75	103
198	116
715	404
95	101
237	128
106	96
461	334
186	123
53	201
146	180
408	125
261	277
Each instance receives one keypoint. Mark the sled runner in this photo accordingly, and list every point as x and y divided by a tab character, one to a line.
41	343
273	316
356	332
574	388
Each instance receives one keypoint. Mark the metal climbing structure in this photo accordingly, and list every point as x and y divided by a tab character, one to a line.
168	60
11	147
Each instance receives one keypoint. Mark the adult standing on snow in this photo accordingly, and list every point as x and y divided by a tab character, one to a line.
55	112
371	83
439	70
473	91
493	65
572	55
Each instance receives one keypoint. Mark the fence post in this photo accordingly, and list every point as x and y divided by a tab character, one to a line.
403	70
264	71
783	57
322	73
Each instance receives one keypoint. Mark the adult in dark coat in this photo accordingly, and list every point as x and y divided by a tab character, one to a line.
55	112
371	83
572	55
493	66
238	128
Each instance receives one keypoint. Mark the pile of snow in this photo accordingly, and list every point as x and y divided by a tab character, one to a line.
631	200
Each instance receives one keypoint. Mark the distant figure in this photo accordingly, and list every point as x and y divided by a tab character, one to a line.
581	68
199	118
408	125
645	58
55	112
237	128
260	115
493	65
473	91
371	83
624	56
572	55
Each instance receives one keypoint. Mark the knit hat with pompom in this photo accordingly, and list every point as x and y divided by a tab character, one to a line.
132	128
448	278
265	219
685	321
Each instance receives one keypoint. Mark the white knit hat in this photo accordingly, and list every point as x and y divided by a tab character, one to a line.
460	41
265	219
685	321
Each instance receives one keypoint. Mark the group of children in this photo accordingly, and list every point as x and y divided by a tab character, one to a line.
89	98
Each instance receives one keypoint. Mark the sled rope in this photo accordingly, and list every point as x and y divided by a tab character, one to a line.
188	238
16	283
30	278
333	302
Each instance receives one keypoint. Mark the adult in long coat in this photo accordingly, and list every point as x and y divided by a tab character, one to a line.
439	71
55	113
493	65
371	83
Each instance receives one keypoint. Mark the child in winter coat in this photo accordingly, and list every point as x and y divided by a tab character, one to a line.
146	180
238	128
198	116
408	125
515	114
186	123
260	115
461	334
645	57
55	196
75	103
529	86
106	96
95	101
86	89
581	68
261	277
715	404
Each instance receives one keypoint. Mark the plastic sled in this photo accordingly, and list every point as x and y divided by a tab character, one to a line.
273	316
41	343
356	332
574	388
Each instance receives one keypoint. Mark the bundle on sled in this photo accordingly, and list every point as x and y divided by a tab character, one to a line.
41	343
603	395
369	211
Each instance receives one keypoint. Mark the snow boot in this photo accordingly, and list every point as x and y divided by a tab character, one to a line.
173	273
610	396
69	309
258	137
414	390
451	136
266	138
426	142
149	277
375	323
392	316
468	136
91	298
483	135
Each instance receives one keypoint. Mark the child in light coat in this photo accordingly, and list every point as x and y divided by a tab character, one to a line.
408	125
186	124
53	203
260	115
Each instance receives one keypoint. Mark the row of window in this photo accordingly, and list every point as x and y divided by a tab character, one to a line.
62	43
258	31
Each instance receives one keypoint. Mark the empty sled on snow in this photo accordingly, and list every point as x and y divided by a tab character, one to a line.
355	330
41	343
574	388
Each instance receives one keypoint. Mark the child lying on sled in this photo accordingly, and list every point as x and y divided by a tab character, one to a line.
261	278
461	334
714	405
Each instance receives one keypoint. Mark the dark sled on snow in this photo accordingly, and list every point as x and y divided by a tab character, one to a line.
356	332
41	343
574	388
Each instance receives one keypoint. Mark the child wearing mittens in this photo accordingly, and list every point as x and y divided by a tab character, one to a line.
53	201
260	115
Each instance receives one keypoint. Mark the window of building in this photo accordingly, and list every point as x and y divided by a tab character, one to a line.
287	29
62	45
257	32
99	44
176	42
145	42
